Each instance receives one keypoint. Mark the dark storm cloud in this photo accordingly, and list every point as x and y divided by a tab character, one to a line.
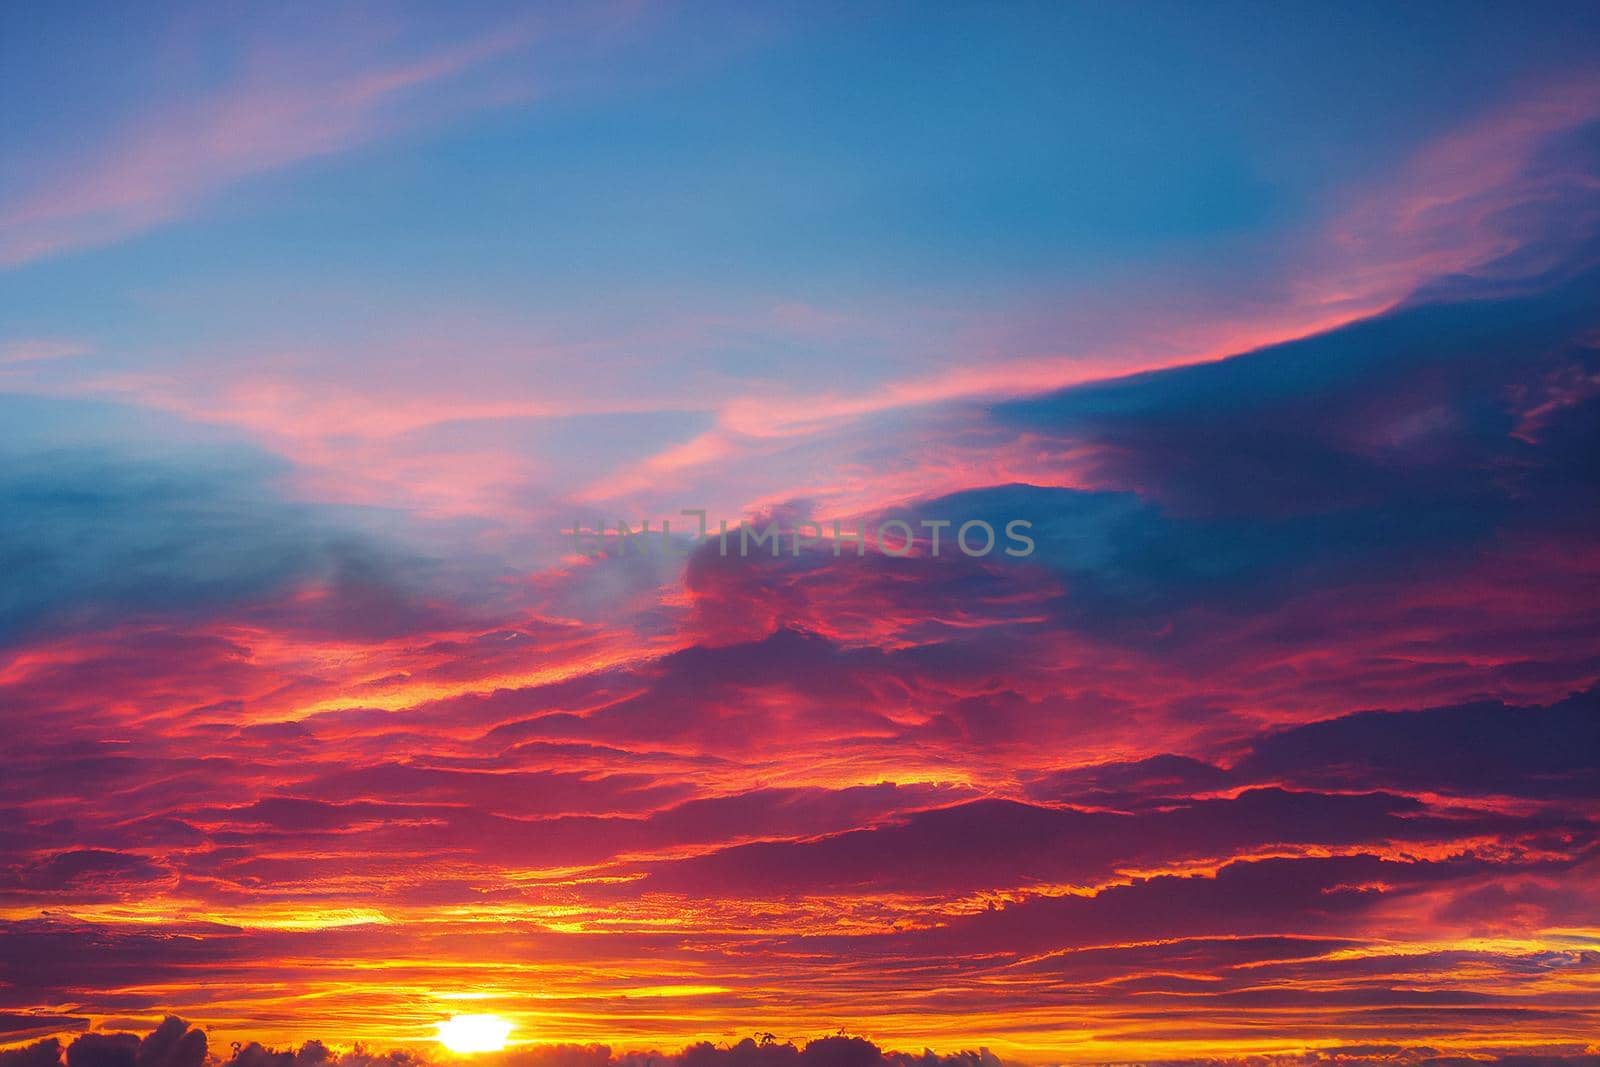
44	960
45	1053
999	843
90	871
1406	440
1395	447
1470	750
1488	747
1315	896
172	1044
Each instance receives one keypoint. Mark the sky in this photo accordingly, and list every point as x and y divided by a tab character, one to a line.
324	326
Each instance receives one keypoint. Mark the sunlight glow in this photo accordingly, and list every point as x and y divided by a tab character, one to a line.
474	1033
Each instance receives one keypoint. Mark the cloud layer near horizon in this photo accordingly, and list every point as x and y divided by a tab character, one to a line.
175	1044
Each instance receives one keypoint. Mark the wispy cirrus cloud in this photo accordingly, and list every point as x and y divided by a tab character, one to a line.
284	103
40	350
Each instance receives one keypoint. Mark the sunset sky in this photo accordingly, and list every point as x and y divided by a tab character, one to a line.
322	326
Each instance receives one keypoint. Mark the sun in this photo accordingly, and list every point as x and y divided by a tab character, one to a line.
474	1033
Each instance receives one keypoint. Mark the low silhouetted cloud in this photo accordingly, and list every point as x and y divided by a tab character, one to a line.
176	1044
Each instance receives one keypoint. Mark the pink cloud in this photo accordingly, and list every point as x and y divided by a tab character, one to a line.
283	108
40	350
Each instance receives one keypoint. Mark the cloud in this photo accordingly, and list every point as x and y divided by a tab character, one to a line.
1483	749
85	873
997	844
175	1044
1475	749
1263	499
46	1053
1419	405
172	1044
38	350
159	525
1116	795
318	92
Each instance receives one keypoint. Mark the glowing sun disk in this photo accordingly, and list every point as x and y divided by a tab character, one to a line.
474	1033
